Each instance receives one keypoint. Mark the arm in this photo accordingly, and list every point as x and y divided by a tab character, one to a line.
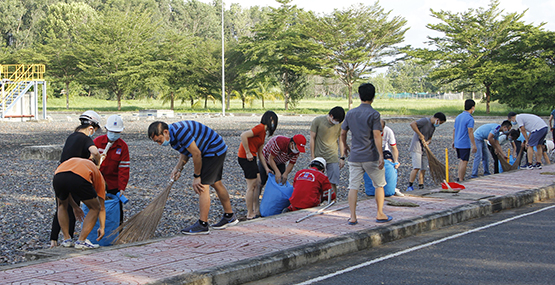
341	151
378	143
471	136
288	170
245	141
395	152
95	154
495	144
101	219
454	138
176	172
414	127
312	144
274	168
262	159
77	211
197	162
550	123
346	148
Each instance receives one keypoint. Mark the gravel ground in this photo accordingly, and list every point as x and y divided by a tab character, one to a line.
27	202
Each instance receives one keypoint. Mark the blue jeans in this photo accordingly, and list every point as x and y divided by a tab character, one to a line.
480	156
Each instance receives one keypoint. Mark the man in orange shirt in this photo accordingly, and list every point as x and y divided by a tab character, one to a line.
81	178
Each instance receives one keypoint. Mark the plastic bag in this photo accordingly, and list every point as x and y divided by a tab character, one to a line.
112	221
390	178
275	198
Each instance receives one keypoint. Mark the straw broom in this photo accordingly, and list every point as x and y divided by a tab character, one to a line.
142	225
437	169
507	167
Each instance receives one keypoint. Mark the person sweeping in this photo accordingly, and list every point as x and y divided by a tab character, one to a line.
208	150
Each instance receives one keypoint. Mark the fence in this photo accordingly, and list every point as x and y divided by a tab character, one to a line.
441	96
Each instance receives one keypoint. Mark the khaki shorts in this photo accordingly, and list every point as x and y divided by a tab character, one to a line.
419	161
356	172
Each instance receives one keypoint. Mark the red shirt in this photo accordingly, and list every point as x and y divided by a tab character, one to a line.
115	167
278	146
308	188
254	142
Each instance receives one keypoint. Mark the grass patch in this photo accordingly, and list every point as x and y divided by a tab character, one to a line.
387	107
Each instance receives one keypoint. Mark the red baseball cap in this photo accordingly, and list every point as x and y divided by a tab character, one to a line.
300	141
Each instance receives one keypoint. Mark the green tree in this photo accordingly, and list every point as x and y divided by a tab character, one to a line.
358	40
469	52
527	78
113	51
282	49
58	31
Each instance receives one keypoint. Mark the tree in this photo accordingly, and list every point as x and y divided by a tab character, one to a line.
58	31
469	52
358	40
527	78
282	49
114	49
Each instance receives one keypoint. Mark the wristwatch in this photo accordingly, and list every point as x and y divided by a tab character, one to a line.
196	175
342	158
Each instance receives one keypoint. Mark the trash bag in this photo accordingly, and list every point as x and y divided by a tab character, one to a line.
112	221
390	178
275	198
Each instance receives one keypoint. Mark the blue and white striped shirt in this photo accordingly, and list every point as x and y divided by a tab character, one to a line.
183	133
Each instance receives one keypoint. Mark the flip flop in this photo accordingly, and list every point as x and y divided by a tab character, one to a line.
352	223
389	218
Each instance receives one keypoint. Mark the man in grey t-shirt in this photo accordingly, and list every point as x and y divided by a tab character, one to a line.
423	132
366	151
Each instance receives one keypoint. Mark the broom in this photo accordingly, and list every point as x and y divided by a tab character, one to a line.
142	225
507	167
437	169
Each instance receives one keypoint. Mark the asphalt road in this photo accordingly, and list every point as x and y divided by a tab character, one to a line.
504	248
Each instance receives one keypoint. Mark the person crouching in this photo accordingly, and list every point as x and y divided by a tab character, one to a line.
309	186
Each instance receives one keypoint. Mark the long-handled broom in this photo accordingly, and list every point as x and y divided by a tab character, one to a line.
142	225
437	169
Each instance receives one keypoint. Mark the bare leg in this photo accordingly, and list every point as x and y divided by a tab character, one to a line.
530	154
539	154
90	218
413	173
63	217
421	177
223	195
380	197
204	203
250	197
462	169
353	195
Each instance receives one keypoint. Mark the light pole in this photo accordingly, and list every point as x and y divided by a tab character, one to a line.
223	63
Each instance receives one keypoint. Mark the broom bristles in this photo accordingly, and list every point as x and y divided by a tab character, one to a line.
142	225
507	167
437	169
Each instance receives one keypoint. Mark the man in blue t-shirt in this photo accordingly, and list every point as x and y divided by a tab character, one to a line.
366	151
463	136
490	133
208	150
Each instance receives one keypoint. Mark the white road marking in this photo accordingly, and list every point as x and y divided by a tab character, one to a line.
389	256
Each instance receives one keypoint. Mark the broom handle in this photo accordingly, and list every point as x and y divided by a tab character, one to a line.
509	155
446	165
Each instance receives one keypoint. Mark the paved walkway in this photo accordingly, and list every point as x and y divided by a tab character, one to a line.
258	248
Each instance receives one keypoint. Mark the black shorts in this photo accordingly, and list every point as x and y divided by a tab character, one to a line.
250	168
68	182
463	154
212	168
264	175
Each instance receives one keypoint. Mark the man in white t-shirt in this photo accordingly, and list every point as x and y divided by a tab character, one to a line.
538	130
389	145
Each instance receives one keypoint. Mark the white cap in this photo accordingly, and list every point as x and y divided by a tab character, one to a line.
114	124
319	160
91	117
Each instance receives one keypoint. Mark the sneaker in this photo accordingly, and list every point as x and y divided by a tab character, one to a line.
529	166
420	186
538	166
225	222
410	188
86	244
67	243
398	193
196	229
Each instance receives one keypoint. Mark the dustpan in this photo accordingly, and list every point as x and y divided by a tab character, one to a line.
452	186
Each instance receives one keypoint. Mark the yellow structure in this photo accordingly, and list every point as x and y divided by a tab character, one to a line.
15	100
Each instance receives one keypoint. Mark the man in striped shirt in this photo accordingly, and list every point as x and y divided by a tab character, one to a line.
278	152
208	150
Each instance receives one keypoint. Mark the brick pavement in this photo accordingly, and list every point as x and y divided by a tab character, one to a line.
250	242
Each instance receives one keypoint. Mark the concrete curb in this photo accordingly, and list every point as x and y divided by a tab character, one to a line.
260	267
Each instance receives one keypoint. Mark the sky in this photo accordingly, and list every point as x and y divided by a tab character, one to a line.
417	12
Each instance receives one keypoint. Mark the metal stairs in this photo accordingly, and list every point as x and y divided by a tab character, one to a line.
15	81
